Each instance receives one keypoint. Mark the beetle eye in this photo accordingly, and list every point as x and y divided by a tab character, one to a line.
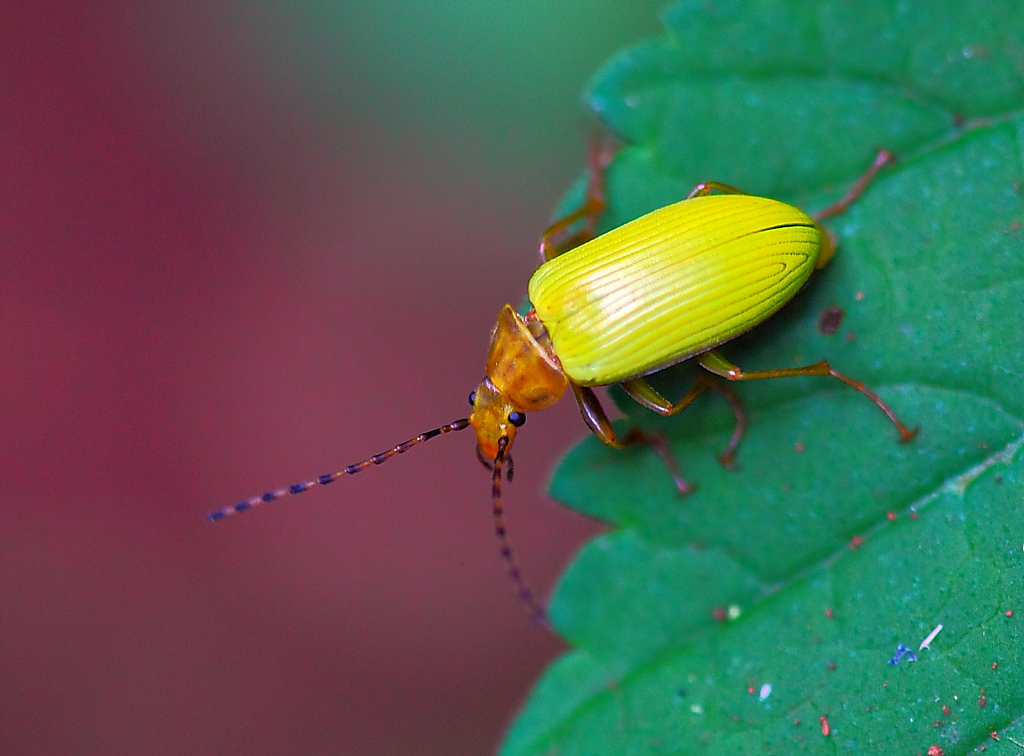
517	419
472	398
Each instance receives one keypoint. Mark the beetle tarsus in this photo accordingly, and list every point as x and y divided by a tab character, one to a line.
659	443
728	457
906	434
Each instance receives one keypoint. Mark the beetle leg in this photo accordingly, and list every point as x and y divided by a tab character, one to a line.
717	364
597	420
600	155
704	188
830	240
590	212
644	394
884	158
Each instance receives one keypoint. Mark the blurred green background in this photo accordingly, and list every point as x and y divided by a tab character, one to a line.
491	82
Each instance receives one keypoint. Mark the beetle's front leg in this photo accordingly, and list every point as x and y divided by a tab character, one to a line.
597	420
601	154
644	394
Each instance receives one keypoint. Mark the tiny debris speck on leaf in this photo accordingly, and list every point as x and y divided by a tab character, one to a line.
901	652
830	320
931	636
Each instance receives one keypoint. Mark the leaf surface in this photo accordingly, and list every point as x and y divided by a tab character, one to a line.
733	621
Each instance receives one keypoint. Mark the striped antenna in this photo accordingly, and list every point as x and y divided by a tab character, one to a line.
323	480
537	612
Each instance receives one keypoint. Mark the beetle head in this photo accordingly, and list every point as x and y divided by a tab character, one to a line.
494	417
523	375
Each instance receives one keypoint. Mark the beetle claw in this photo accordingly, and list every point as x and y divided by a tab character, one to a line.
728	460
906	435
660	445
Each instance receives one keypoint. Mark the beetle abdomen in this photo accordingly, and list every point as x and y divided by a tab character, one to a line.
673	283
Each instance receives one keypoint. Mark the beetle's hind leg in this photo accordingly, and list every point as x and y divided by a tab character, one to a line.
717	364
830	240
551	246
883	158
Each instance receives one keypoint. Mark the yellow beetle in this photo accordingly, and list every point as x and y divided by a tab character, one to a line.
666	287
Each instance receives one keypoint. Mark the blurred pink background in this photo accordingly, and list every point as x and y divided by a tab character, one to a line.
241	247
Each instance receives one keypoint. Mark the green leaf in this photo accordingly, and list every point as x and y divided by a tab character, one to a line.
732	621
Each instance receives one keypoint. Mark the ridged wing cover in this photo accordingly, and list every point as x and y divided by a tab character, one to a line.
671	284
